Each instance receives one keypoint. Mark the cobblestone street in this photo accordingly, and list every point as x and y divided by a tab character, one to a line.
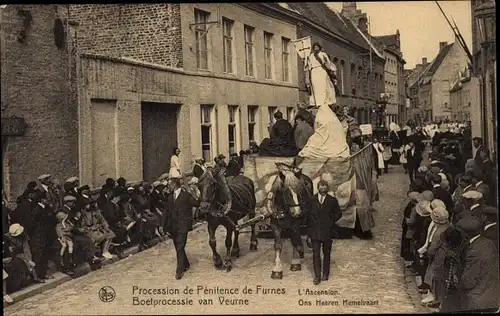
362	270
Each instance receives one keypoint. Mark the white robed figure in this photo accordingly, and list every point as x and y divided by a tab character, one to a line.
329	138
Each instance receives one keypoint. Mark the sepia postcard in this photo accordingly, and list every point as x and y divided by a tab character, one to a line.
249	158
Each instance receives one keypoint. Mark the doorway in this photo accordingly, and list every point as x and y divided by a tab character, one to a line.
159	137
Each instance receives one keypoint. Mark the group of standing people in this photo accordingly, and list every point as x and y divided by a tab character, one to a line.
450	230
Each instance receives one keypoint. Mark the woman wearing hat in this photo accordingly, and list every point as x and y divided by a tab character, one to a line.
440	223
19	248
420	226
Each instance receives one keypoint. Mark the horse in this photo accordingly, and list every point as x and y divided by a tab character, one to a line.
226	200
287	202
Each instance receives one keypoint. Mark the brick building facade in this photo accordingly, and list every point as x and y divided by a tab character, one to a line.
217	84
38	84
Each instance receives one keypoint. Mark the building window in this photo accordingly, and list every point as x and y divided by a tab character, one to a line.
207	132
201	38
249	50
342	76
374	86
271	110
361	83
227	44
290	114
285	58
234	129
353	79
253	113
268	55
368	84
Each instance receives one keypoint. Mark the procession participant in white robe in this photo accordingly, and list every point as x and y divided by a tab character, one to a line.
329	138
317	67
379	155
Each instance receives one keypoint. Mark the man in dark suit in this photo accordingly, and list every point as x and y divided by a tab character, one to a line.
325	211
440	193
491	227
479	282
43	234
180	222
488	170
414	157
477	142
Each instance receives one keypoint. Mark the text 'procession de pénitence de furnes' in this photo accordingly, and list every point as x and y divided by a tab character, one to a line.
232	296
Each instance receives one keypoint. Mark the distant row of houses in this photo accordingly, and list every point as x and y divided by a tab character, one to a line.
103	91
456	86
431	86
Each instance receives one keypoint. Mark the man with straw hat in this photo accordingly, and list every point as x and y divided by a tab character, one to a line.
472	204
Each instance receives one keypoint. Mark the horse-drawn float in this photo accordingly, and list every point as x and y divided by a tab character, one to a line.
350	181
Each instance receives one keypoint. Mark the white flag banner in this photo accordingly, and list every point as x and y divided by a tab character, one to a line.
302	46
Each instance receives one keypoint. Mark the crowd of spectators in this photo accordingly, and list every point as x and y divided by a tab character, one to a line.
450	231
69	225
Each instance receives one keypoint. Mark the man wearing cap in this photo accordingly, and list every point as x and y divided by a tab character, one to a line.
491	227
73	207
43	234
22	214
46	186
479	280
440	193
472	204
71	186
199	168
179	221
221	161
480	186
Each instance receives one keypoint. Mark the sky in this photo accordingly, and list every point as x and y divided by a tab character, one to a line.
421	24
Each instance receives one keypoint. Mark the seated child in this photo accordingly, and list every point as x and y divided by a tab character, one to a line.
64	230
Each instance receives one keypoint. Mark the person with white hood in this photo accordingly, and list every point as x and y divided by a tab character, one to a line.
378	155
440	222
396	142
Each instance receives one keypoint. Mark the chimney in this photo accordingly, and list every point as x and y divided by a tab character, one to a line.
349	9
363	23
442	45
424	61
